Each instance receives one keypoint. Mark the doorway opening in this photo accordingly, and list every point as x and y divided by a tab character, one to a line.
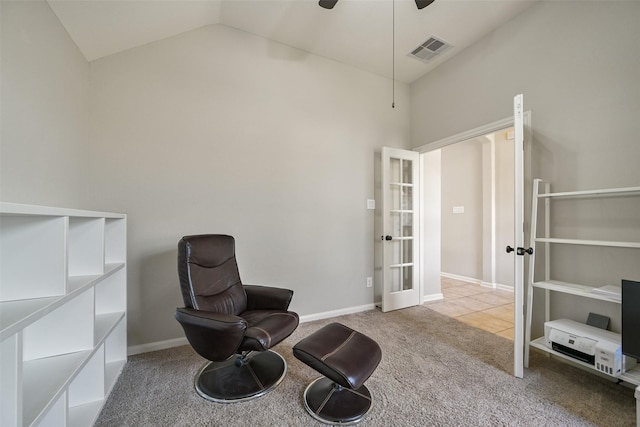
430	214
476	212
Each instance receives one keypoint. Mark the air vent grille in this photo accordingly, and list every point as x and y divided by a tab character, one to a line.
429	49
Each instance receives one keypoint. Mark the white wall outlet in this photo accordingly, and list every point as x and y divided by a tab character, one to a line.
369	282
458	209
371	204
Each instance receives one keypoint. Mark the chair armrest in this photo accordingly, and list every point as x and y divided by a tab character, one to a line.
267	298
214	336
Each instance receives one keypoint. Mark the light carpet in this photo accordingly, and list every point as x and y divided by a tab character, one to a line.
435	371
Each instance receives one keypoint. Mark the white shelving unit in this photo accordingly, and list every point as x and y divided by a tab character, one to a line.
575	289
63	287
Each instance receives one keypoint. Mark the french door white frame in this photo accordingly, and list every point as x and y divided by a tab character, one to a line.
394	295
475	133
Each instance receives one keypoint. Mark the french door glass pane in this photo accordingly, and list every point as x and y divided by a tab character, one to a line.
407	251
395	194
407	169
407	199
396	254
395	171
396	279
407	225
396	224
407	277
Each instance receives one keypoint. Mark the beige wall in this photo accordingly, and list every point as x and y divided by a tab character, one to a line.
45	109
462	233
468	175
431	224
219	131
577	64
211	131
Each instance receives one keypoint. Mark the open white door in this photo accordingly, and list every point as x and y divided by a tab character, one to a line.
520	251
400	217
518	121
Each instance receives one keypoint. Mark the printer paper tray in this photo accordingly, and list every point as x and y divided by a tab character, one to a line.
574	354
540	344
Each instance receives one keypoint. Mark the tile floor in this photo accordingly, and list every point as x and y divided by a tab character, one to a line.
478	306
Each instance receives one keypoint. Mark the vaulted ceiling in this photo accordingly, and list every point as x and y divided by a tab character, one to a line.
356	32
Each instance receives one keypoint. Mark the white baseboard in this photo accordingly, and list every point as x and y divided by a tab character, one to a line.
462	278
155	346
478	282
497	286
177	342
432	297
425	298
504	287
336	313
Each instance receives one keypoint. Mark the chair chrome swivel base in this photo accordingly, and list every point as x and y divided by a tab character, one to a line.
226	382
331	403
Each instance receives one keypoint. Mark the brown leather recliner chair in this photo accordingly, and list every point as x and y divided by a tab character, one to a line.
223	318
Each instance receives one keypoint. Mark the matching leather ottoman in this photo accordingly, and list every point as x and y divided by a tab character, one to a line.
346	359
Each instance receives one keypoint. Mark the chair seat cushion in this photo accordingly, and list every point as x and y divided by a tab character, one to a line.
338	352
267	328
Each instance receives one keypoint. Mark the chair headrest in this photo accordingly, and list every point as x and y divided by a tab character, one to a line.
207	250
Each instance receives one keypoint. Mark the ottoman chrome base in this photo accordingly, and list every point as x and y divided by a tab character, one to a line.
331	403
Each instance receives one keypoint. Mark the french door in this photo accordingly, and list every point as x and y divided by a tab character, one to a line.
520	251
400	229
400	236
521	121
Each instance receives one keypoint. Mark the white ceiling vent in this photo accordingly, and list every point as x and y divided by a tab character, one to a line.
429	49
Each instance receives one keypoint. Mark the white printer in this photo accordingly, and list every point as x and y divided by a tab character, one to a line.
595	346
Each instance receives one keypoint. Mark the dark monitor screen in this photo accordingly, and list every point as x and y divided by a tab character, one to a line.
631	318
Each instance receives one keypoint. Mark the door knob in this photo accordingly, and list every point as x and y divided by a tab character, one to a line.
520	251
387	237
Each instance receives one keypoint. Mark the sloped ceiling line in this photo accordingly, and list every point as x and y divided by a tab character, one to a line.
355	32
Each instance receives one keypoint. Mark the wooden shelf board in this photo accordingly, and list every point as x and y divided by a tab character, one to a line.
78	283
574	289
85	414
632	376
104	324
30	210
16	315
628	191
58	372
588	242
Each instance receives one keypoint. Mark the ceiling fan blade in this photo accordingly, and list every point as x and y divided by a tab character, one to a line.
422	3
328	4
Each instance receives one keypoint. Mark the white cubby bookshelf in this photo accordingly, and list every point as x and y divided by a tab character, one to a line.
63	315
